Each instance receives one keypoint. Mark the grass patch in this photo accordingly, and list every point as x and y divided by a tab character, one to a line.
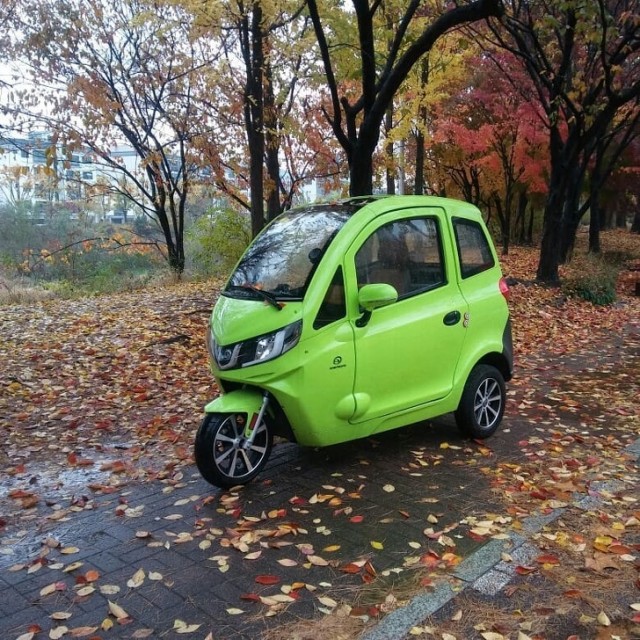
592	278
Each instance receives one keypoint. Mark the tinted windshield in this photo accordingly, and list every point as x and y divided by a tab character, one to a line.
283	258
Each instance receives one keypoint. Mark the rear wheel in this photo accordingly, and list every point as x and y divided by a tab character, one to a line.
223	455
482	404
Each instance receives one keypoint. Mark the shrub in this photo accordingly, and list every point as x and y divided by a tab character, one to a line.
593	279
216	241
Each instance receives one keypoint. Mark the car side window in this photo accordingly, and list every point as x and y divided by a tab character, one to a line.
334	305
406	254
474	252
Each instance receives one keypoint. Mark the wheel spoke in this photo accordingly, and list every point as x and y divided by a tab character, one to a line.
250	466
258	449
222	438
224	456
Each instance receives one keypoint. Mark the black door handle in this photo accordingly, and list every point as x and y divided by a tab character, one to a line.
453	317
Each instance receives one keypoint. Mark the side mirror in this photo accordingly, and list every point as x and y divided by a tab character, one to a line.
374	296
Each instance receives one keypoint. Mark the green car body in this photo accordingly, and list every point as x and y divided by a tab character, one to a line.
390	304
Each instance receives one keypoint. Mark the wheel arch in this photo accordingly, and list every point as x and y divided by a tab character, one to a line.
499	361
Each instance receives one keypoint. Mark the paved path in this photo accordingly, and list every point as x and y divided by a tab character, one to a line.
318	532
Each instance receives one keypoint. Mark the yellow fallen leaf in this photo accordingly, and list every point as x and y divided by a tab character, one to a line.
377	545
85	591
58	632
117	611
603	619
185	628
137	579
317	560
389	488
107	624
48	590
82	632
69	550
109	589
154	575
287	562
60	615
331	548
233	611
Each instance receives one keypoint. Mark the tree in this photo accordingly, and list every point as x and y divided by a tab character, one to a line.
125	71
583	60
356	116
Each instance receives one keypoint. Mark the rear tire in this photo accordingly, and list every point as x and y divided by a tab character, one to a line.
482	404
220	453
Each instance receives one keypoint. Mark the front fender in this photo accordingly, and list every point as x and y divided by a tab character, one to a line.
246	401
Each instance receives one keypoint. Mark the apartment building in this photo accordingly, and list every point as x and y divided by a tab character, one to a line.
39	175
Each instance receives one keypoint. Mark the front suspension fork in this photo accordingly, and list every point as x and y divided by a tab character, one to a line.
252	427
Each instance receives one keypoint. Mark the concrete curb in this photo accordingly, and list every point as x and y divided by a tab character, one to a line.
484	570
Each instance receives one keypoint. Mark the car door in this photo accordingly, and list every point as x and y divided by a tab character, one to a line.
407	352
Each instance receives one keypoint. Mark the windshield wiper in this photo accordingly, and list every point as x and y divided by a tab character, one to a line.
265	295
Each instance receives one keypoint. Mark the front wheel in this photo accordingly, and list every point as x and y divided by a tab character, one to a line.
223	455
482	404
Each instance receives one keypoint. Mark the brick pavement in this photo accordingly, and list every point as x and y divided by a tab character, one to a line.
201	549
187	524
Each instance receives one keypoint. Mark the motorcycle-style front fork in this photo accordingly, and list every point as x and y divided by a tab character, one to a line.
256	419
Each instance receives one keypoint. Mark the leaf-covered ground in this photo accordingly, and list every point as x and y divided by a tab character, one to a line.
104	392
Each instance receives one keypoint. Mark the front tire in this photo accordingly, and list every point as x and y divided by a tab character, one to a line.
221	454
482	404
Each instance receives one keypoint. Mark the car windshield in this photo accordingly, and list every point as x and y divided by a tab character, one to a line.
281	261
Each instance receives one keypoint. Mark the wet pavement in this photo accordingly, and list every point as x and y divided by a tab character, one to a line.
419	512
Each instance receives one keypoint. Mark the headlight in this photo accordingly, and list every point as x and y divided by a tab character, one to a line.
256	350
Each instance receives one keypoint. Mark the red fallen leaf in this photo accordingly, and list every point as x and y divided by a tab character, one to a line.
635	617
267	579
369	568
539	495
475	536
359	611
548	558
115	466
426	582
367	579
76	461
430	559
573	593
18	494
404	514
356	519
619	549
250	597
19	468
525	571
350	568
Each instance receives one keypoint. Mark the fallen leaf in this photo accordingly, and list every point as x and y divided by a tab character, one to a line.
117	611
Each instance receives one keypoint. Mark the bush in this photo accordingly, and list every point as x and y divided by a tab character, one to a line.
216	241
593	279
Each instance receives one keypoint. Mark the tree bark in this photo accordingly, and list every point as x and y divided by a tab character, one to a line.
357	125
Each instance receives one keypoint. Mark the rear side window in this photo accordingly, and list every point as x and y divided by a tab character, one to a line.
474	251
